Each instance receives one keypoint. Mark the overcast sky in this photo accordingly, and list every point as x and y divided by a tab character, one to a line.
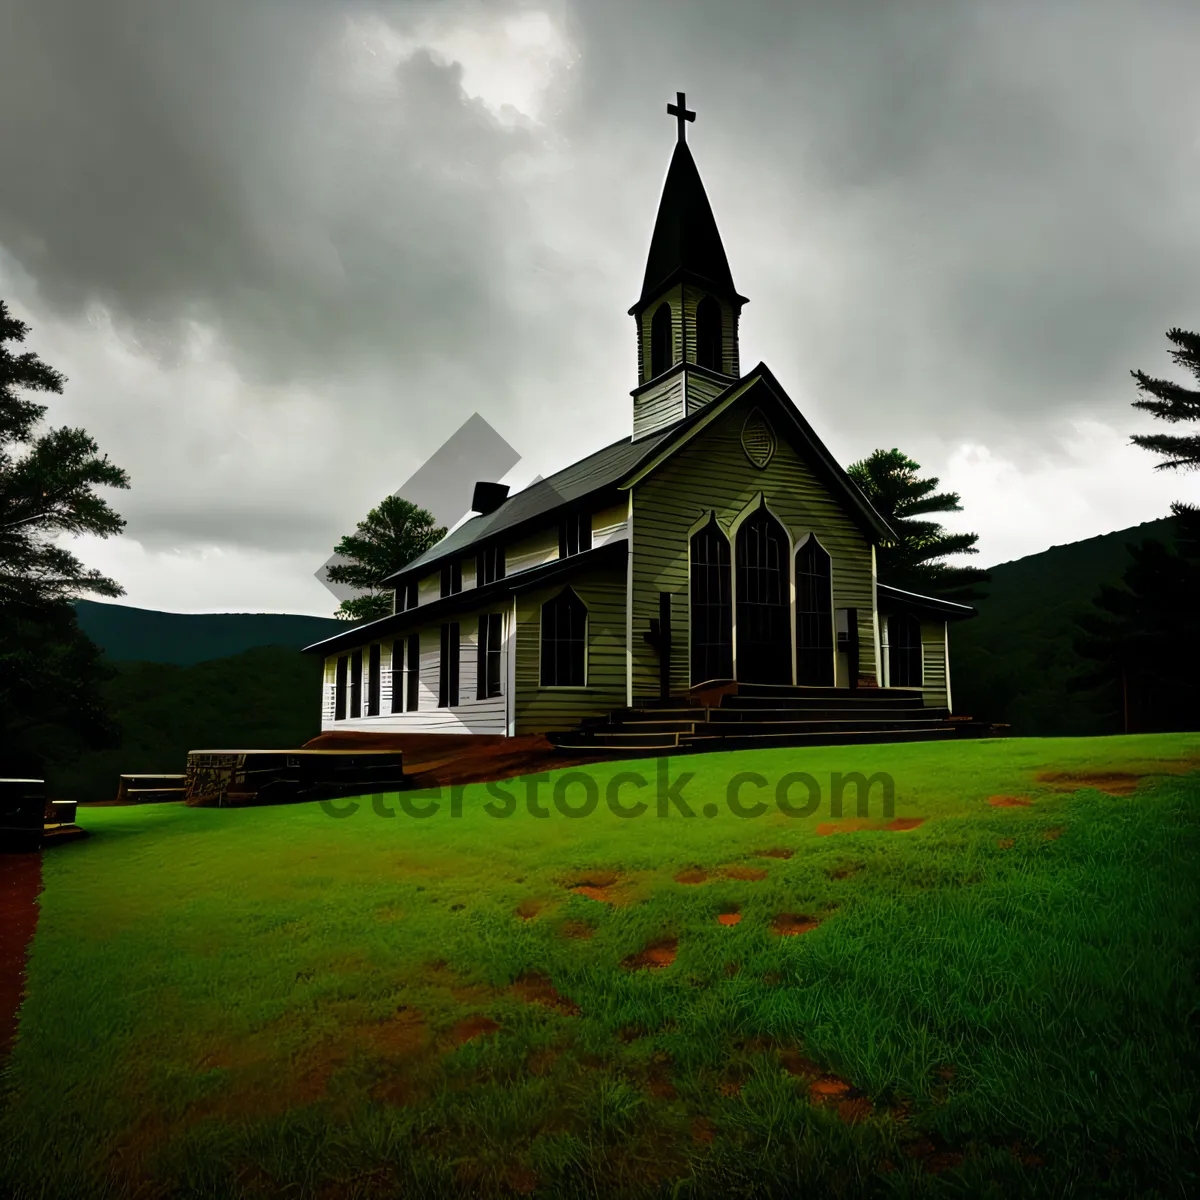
284	248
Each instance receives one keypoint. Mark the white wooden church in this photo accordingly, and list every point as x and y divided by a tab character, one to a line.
718	553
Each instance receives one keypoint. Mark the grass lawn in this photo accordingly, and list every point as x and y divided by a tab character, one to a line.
986	999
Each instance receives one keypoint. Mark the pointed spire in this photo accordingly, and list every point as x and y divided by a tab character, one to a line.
686	244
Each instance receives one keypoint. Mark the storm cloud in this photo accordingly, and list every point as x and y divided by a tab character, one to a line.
283	250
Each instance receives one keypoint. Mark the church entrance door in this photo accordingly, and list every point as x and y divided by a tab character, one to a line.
764	642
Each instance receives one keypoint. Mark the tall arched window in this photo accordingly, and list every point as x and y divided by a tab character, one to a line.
764	643
814	615
708	333
711	605
564	641
662	351
904	651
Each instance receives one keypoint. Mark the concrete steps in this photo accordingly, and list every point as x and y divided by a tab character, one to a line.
762	715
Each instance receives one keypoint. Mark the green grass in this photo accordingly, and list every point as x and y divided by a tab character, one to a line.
271	1001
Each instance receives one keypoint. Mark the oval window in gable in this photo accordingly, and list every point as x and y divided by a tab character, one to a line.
758	439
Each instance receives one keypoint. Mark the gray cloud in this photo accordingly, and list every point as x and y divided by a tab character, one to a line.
955	222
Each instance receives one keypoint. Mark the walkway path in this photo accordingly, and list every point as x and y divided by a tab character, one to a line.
20	885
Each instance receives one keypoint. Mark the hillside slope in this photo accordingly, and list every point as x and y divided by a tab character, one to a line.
128	634
1012	662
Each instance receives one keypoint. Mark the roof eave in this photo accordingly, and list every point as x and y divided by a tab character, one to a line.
468	598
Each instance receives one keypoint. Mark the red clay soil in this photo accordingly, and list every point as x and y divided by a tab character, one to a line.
654	958
20	885
791	924
443	759
1008	801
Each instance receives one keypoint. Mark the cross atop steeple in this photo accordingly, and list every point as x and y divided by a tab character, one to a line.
680	111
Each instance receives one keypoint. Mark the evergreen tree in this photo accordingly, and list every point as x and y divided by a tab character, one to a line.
50	673
390	537
1142	639
891	482
1173	403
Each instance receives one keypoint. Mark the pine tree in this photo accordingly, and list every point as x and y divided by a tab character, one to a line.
1142	639
1173	403
890	481
390	537
46	490
50	673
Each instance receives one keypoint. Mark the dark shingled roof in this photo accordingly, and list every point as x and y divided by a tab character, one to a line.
685	242
604	468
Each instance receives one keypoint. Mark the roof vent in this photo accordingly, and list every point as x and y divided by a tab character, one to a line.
488	497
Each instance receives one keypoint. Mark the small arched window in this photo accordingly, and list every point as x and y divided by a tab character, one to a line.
814	615
662	352
708	333
711	605
564	641
904	651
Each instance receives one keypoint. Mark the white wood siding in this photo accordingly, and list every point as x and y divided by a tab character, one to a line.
610	524
429	588
470	715
701	390
531	551
658	407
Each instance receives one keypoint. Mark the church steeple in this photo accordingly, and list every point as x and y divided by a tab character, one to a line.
687	314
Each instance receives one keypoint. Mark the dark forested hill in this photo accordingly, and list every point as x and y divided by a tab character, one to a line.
267	698
1012	662
127	634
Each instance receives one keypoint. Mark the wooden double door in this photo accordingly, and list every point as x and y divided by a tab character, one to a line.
763	629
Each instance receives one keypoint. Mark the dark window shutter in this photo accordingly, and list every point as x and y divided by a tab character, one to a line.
339	693
414	671
373	681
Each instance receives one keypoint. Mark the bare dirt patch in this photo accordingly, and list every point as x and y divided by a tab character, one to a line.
537	989
654	957
471	1028
703	1131
1004	843
1113	783
1009	802
866	825
744	874
692	876
791	924
20	884
608	887
778	852
1052	835
528	909
728	918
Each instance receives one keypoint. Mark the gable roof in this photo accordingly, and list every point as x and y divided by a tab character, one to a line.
603	469
685	242
764	384
623	463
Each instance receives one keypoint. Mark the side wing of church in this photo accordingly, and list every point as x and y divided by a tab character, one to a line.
719	547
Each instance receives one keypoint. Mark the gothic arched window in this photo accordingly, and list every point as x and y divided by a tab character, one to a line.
764	642
564	641
814	616
708	333
712	605
662	351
